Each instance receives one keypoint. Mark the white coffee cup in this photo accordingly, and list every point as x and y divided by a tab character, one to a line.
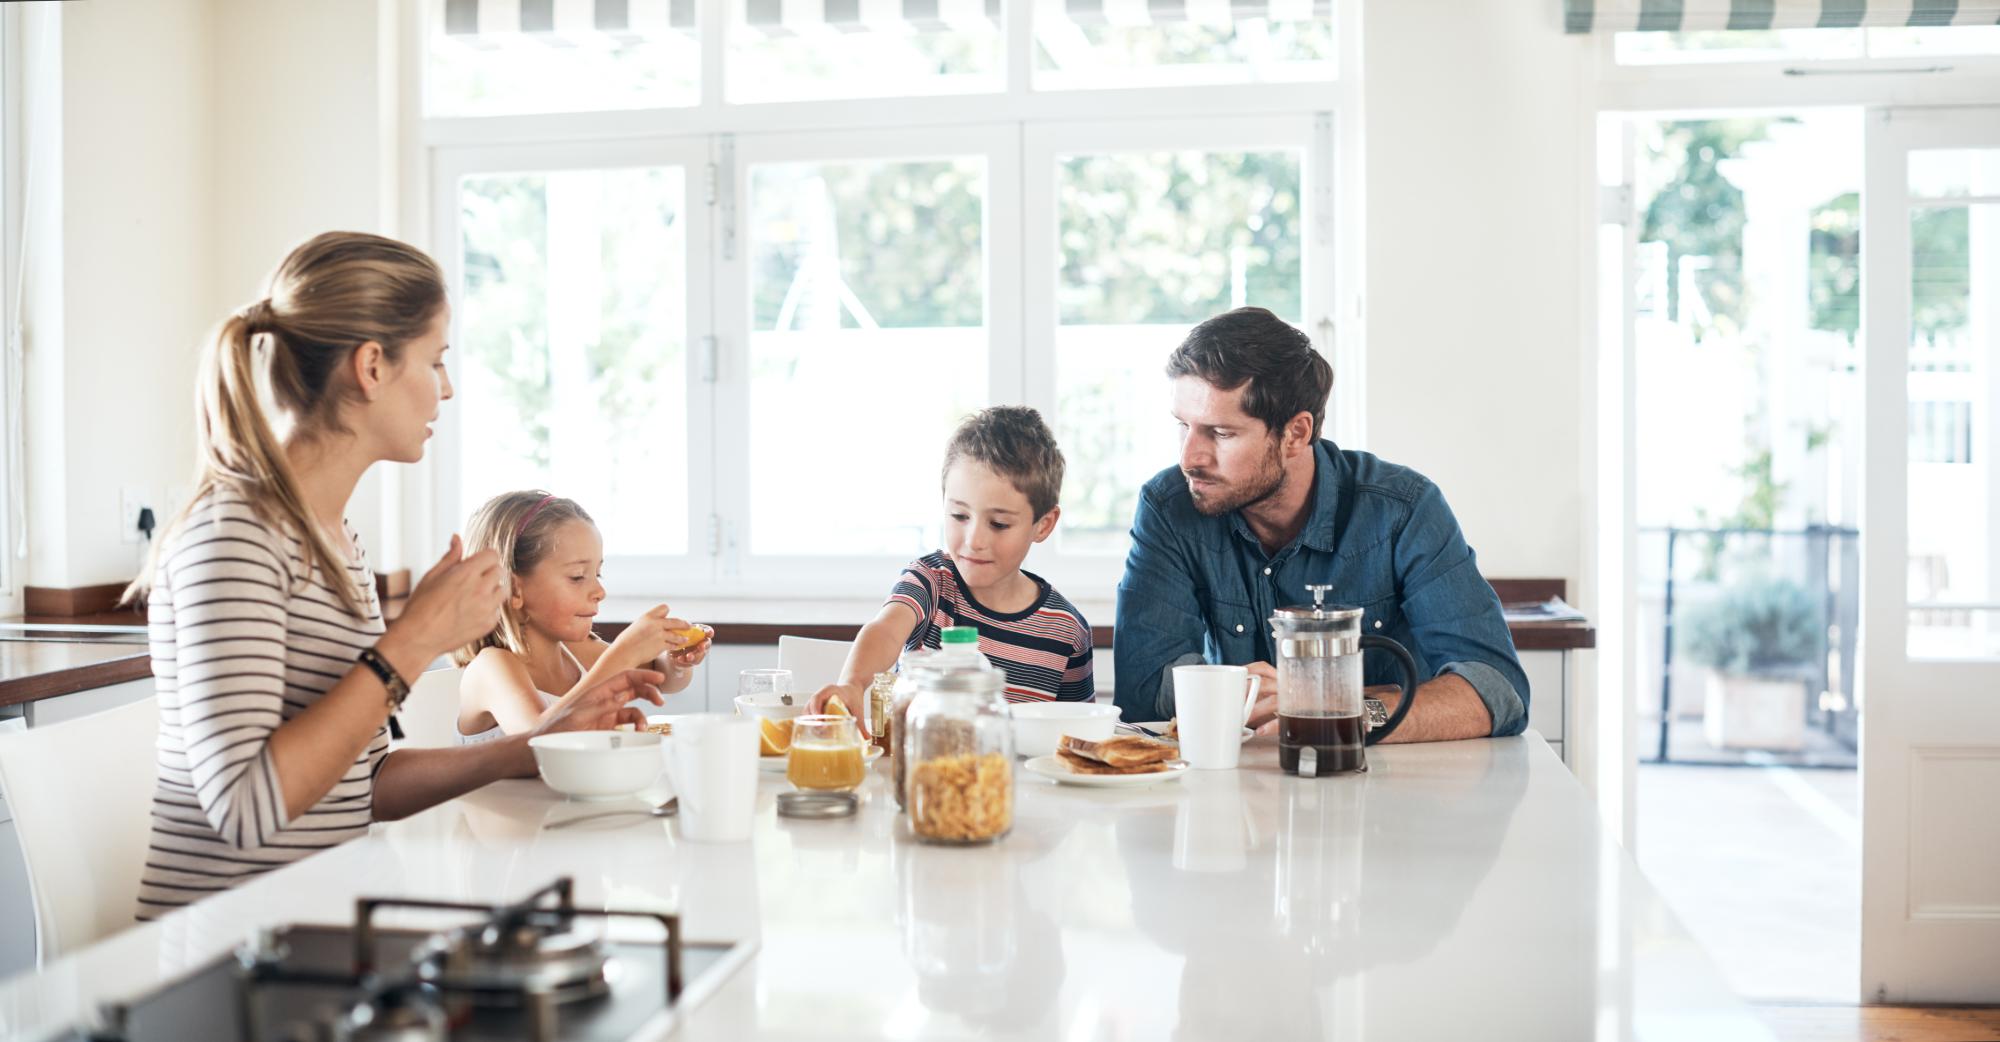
1212	703
712	759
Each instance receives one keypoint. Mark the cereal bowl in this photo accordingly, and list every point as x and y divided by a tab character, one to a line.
597	765
770	706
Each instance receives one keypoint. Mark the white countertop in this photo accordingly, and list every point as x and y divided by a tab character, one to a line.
1456	890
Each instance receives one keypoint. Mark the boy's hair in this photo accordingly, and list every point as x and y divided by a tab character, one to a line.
1252	346
521	528
1013	440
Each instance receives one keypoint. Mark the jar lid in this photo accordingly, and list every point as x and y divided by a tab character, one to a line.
959	635
818	804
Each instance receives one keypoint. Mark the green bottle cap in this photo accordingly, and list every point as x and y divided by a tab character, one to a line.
959	635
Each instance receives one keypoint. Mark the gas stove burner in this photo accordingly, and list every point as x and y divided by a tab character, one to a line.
499	963
403	1013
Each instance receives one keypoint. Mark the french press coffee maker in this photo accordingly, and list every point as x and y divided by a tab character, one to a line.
1322	718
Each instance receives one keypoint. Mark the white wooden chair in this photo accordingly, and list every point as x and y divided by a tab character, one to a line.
82	797
429	717
814	663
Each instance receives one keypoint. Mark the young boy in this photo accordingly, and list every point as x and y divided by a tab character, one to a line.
1002	474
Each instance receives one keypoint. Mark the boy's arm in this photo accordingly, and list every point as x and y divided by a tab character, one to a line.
876	648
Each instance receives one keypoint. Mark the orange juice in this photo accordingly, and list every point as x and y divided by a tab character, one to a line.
825	765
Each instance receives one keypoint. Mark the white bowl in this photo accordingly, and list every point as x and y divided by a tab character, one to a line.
1038	726
597	765
768	705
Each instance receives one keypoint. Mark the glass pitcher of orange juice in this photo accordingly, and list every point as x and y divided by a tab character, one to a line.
826	754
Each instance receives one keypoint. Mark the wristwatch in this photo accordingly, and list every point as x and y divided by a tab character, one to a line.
392	681
1378	714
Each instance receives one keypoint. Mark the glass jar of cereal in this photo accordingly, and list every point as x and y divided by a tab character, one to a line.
959	745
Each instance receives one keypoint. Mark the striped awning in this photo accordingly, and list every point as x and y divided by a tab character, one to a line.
1583	16
571	17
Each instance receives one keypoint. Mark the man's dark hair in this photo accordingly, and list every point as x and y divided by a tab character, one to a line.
1252	346
1013	440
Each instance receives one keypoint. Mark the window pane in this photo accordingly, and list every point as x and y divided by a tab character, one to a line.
499	59
1751	45
1738	45
786	52
1943	173
573	323
868	330
1082	45
1152	243
1954	564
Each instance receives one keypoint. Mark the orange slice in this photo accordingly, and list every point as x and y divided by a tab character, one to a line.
835	707
774	737
693	635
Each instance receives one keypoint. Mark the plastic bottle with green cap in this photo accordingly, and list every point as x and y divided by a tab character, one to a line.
958	648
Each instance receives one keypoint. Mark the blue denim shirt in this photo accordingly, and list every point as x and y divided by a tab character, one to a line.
1202	589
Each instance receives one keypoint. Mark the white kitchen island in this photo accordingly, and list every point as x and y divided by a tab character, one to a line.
1457	890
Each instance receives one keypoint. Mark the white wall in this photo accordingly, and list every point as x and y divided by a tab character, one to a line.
182	147
1473	281
305	103
110	345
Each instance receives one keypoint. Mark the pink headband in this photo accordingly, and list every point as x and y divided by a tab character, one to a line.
530	516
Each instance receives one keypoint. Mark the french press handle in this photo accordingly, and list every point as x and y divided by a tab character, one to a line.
1403	704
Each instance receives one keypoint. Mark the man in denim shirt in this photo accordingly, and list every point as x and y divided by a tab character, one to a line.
1260	506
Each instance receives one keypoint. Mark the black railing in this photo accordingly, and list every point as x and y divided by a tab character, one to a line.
1822	559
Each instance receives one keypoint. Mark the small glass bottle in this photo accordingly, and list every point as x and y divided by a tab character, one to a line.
881	709
959	747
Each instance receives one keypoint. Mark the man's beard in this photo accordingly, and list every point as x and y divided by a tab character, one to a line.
1270	477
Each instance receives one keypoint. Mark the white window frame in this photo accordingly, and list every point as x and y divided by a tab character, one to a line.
1020	281
692	155
13	394
1307	133
999	146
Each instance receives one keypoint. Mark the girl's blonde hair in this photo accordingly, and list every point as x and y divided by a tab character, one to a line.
329	296
521	528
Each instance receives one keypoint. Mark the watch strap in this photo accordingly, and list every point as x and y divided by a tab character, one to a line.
392	681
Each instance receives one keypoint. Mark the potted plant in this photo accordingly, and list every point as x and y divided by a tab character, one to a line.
1757	640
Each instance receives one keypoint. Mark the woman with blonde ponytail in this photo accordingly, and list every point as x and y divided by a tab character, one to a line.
275	671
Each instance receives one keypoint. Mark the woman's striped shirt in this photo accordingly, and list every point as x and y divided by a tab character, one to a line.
1044	649
242	642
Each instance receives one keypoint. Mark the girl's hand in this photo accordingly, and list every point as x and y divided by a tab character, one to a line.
646	638
691	652
457	602
603	706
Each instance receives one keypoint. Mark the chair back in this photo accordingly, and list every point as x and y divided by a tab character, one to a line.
82	796
429	717
814	663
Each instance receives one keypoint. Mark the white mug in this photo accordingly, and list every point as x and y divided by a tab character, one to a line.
712	759
1211	705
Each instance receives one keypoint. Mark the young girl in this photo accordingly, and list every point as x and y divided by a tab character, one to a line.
276	672
543	650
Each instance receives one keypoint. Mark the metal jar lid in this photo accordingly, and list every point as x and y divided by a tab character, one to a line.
818	804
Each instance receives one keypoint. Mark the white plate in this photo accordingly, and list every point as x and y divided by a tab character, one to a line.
1160	726
776	764
1054	769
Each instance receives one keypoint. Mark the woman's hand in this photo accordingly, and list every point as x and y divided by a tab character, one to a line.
457	602
605	705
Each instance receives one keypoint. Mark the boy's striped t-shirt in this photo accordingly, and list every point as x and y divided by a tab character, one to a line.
1044	649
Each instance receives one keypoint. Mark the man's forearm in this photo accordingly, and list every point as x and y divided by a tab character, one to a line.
1447	709
411	780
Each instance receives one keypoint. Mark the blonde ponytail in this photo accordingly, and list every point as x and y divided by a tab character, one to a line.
329	296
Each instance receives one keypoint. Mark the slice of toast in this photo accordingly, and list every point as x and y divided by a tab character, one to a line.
1123	751
1082	765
